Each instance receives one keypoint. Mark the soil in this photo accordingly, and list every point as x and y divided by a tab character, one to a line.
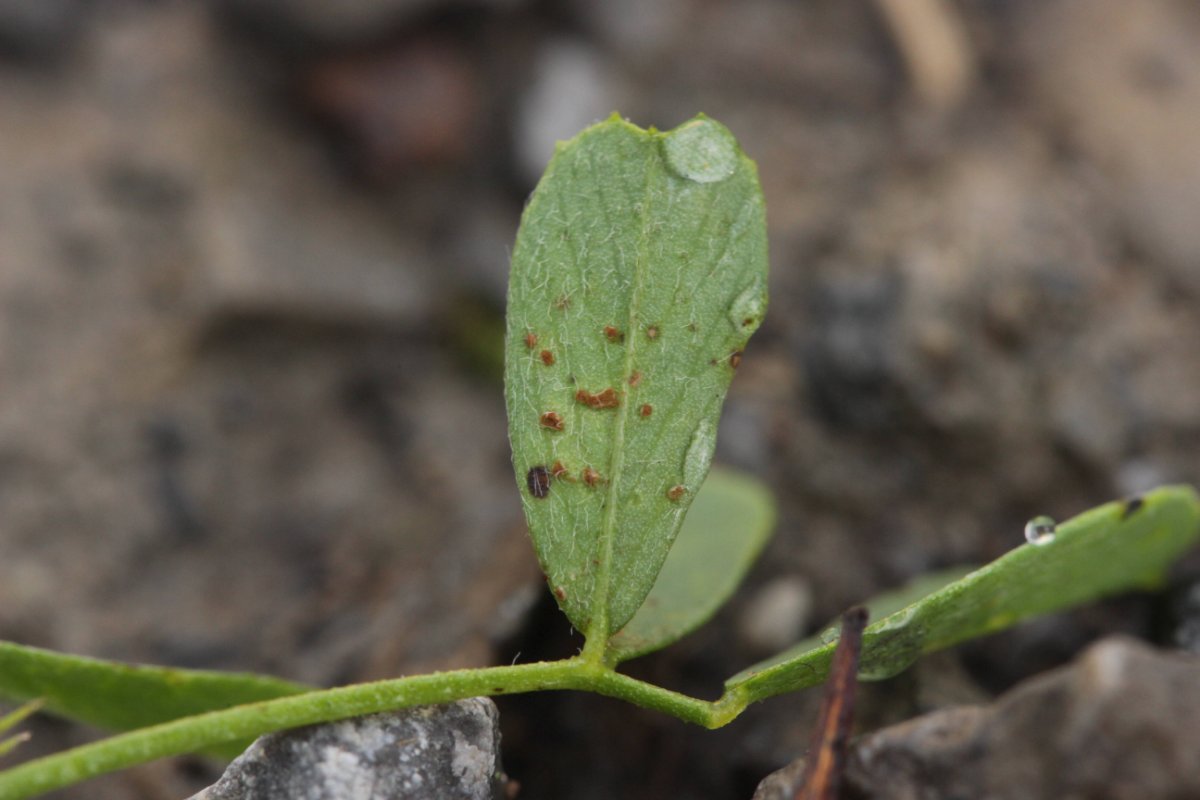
252	270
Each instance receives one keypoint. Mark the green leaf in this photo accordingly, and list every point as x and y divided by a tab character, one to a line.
12	720
1117	547
877	607
730	521
638	275
122	696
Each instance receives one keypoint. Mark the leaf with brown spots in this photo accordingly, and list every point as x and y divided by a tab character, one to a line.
630	237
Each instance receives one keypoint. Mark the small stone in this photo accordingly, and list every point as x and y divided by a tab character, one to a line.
1187	615
572	88
445	752
777	614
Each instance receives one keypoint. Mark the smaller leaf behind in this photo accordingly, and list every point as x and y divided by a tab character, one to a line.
731	520
1116	547
123	696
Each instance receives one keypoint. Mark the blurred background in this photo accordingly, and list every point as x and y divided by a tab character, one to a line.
253	257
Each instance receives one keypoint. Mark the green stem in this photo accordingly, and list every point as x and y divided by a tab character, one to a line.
196	733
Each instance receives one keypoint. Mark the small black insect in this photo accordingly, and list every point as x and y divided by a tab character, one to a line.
538	480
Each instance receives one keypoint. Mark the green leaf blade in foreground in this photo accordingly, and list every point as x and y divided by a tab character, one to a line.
1116	547
638	275
729	523
123	696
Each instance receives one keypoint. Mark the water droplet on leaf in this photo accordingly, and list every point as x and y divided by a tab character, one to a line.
748	308
699	455
702	151
1040	530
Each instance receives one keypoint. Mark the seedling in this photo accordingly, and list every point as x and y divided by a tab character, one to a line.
639	275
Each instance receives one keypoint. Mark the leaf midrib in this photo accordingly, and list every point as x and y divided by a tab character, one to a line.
599	622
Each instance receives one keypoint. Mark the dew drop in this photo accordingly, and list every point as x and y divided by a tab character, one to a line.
702	151
748	308
1040	530
699	455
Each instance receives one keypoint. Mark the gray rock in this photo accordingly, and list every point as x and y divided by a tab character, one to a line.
444	752
1122	722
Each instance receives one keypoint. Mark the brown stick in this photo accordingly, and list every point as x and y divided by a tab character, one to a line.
826	762
933	43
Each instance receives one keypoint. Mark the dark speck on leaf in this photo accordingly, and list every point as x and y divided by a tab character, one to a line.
613	334
538	480
1132	505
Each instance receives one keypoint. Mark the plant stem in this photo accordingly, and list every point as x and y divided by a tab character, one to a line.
196	733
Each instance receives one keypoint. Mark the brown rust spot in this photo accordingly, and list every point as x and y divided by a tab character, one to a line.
646	410
552	420
591	477
547	358
613	334
605	399
635	378
676	493
538	480
652	332
735	359
560	472
560	593
531	340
